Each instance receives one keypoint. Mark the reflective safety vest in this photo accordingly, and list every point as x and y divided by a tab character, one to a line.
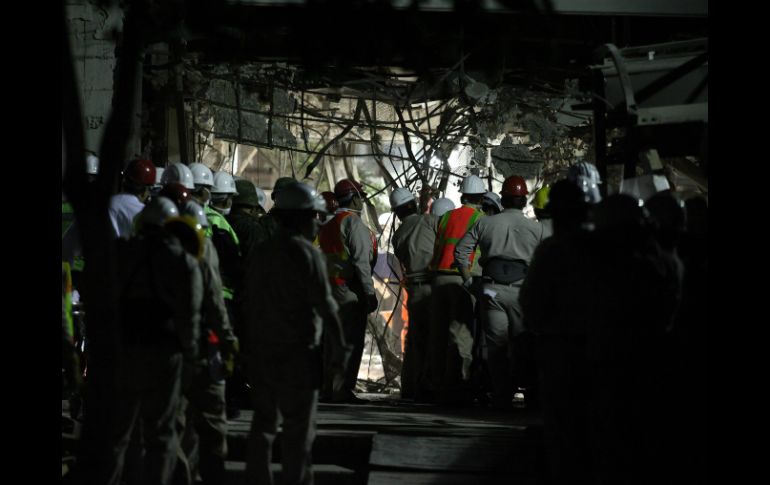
451	228
337	255
226	255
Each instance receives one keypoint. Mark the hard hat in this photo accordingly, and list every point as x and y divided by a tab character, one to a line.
299	196
280	184
201	175
193	209
441	205
177	192
400	196
587	178
515	186
247	193
472	184
493	199
331	202
180	173
189	233
223	184
157	212
620	213
140	172
541	197
345	189
92	164
667	212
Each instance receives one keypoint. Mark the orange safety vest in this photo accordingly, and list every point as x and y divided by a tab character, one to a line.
451	228
330	242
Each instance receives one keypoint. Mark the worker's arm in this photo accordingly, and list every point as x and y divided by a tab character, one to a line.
464	249
359	243
214	309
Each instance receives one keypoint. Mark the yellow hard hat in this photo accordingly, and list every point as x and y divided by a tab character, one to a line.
541	197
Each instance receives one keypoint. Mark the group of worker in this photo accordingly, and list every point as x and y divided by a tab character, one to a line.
209	278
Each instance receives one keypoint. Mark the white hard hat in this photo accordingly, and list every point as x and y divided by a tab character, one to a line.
158	211
472	184
223	184
299	196
441	206
202	175
179	173
400	196
92	164
194	210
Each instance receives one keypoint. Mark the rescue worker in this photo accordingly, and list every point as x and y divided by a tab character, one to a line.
70	238
507	242
160	297
451	341
138	178
268	222
350	248
203	422
441	206
179	173
285	320
556	300
247	209
413	244
231	269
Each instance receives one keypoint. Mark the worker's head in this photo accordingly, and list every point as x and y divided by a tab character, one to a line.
250	199
567	206
491	204
668	218
203	180
189	227
473	190
350	194
176	192
441	206
222	192
155	214
586	176
331	205
620	221
281	184
138	178
297	207
514	192
403	203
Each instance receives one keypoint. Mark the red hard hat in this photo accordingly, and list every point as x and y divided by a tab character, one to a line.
346	187
176	192
515	186
140	172
331	202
